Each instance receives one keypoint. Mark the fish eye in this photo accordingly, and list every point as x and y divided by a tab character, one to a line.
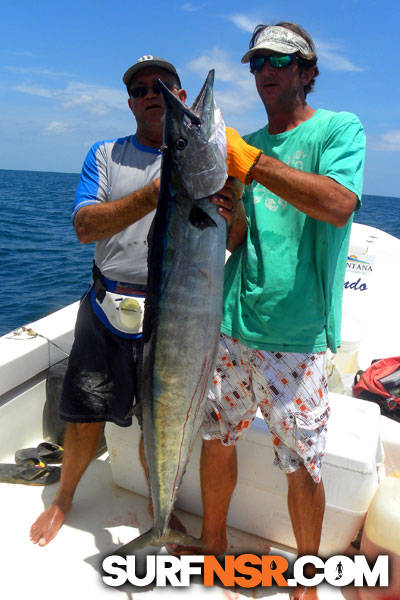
180	144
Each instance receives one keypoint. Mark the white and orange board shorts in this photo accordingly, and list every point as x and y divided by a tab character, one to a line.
290	389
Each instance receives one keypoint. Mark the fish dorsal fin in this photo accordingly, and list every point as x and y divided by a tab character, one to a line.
203	106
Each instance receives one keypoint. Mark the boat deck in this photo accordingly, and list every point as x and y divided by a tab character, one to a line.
103	517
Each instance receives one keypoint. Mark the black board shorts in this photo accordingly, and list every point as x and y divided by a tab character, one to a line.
101	379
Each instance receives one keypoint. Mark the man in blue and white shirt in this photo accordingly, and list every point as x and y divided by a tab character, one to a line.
114	207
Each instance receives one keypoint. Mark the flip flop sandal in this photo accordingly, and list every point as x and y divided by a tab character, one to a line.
29	475
46	452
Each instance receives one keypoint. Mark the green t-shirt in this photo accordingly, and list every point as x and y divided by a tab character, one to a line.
284	285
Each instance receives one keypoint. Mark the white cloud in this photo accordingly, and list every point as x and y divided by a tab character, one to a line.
56	127
331	58
25	53
226	69
189	7
95	99
231	103
386	142
34	90
243	22
239	92
36	71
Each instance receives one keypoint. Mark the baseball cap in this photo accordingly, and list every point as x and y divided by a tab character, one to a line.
279	39
149	61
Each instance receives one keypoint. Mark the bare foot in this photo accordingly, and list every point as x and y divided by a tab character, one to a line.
46	526
213	547
303	593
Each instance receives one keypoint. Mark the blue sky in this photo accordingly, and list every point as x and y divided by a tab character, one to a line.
61	65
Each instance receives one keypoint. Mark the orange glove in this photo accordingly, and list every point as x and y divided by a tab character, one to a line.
241	156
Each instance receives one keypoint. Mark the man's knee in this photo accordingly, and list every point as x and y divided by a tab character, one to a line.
215	450
83	431
301	477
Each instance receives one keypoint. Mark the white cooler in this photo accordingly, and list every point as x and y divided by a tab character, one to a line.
350	473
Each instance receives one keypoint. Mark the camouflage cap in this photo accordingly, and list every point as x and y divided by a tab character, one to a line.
279	39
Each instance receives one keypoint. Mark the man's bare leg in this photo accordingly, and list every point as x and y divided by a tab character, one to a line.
218	474
306	501
174	521
81	441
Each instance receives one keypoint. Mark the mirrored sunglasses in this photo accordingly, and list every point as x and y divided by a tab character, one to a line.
139	91
277	61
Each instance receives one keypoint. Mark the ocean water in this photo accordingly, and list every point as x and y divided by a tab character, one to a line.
44	267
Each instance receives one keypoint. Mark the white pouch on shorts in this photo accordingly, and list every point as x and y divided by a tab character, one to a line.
125	313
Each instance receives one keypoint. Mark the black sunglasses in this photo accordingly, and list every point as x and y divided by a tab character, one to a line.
141	90
277	61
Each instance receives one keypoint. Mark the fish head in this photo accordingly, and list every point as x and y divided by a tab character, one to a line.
195	142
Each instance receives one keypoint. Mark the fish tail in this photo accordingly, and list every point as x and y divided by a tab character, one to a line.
153	538
150	538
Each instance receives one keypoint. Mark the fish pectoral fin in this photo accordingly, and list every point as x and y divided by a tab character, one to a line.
200	219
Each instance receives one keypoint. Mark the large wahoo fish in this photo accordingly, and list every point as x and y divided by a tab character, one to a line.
184	301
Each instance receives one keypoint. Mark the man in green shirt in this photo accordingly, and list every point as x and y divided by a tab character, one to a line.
283	285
